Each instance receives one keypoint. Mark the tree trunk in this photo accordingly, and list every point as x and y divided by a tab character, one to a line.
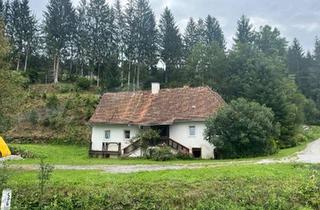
138	77
121	77
56	75
18	62
134	76
129	75
26	61
98	76
81	69
54	66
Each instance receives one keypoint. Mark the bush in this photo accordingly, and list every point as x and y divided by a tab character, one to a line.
52	101
148	138
83	83
65	88
184	156
162	153
33	117
243	129
22	152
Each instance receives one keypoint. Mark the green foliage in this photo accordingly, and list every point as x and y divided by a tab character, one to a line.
23	152
229	187
45	172
160	153
33	117
205	65
52	101
148	137
4	175
83	83
260	77
12	96
243	129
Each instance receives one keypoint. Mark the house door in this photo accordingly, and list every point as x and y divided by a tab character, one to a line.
163	130
196	152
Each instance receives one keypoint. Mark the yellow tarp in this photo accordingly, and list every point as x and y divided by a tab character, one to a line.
4	149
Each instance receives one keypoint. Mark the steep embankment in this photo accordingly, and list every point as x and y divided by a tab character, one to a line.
55	114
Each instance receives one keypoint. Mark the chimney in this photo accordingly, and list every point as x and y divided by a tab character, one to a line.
155	87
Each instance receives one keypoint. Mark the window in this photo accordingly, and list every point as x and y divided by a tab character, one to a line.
107	134
192	130
127	134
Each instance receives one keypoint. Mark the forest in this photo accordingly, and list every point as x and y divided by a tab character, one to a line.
123	47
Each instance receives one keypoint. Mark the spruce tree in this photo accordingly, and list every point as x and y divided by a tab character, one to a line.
2	10
295	57
170	43
28	31
82	36
101	38
146	34
201	31
59	26
120	36
245	33
214	32
190	36
270	42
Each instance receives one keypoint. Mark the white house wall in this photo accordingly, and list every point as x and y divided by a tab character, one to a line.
116	135
180	132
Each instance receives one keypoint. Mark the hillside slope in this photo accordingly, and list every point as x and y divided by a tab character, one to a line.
54	114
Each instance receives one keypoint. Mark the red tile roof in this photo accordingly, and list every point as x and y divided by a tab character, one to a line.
166	107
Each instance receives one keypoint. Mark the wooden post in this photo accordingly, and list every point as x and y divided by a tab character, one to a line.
119	149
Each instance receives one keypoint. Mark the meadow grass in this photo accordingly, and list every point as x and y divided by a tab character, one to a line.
274	186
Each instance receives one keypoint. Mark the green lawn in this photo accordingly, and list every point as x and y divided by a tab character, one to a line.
275	186
78	155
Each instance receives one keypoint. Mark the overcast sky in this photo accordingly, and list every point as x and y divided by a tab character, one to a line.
294	18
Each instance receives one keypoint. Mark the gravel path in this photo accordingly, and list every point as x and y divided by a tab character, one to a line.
310	155
131	168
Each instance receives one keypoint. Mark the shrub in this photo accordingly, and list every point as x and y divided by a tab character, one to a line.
65	88
148	138
52	101
83	83
243	129
161	153
22	152
184	156
33	117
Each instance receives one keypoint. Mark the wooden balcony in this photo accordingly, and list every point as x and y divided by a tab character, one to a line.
105	152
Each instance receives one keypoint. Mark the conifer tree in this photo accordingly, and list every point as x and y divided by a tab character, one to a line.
82	36
201	32
120	36
170	43
59	26
214	32
295	57
146	33
2	10
28	31
270	42
190	36
245	33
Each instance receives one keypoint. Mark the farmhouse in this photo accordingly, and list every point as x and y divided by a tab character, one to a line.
178	114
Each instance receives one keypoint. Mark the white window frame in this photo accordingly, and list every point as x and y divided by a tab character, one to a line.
190	131
124	133
105	134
